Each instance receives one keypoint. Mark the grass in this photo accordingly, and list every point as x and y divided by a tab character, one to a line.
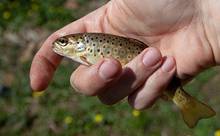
21	114
60	110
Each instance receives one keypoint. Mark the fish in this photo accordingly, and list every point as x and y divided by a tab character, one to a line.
89	48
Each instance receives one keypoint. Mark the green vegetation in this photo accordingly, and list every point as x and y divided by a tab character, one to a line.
17	12
62	111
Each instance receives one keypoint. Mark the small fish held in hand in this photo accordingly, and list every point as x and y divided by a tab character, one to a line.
88	48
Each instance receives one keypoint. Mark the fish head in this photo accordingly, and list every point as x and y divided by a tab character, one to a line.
71	46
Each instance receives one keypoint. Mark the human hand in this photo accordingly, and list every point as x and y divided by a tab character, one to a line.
182	29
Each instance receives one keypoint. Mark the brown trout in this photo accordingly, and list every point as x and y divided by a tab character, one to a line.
88	48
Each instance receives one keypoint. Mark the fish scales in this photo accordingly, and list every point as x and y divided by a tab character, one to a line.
104	45
89	48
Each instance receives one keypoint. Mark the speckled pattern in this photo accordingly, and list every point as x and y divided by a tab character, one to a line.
94	46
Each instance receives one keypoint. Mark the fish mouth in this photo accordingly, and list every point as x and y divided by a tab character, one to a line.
57	49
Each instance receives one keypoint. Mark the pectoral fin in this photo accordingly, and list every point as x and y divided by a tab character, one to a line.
83	58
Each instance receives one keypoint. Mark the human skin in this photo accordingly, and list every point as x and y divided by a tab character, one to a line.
185	31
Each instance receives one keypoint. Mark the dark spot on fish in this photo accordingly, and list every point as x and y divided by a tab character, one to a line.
108	52
113	43
104	46
129	48
100	40
120	44
139	52
98	50
77	42
93	44
92	38
107	41
91	51
87	41
96	38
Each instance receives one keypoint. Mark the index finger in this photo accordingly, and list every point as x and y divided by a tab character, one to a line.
46	61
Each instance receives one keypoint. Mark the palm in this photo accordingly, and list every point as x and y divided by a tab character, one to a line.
188	30
173	27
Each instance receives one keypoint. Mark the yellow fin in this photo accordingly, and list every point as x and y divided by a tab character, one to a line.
192	110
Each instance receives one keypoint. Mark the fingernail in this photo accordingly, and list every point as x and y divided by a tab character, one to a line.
168	64
108	70
151	57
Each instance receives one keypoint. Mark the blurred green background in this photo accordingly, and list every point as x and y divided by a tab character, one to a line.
24	25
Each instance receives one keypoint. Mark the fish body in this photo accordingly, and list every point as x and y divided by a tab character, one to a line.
91	47
88	48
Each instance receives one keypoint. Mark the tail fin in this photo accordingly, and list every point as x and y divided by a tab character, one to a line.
192	110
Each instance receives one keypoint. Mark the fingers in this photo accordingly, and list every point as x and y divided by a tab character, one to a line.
153	88
46	61
94	79
133	76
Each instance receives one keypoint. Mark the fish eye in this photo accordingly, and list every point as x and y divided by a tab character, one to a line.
63	41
